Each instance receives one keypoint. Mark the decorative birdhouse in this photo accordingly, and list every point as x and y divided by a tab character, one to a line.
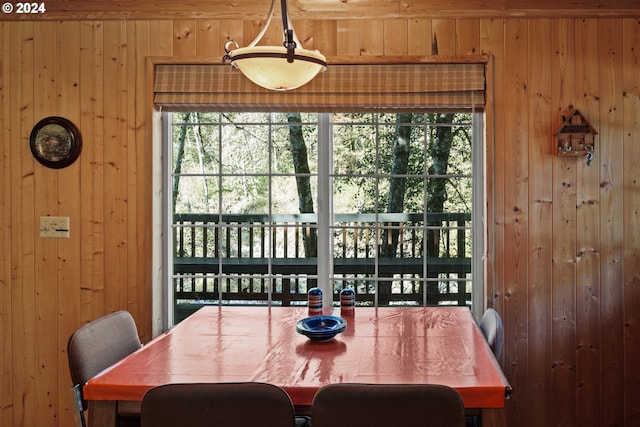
576	137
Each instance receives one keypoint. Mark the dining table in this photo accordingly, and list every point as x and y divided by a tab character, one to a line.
379	345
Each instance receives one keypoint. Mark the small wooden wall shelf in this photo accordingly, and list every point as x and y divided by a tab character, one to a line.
575	137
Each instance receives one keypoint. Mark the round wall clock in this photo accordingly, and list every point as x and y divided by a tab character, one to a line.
55	142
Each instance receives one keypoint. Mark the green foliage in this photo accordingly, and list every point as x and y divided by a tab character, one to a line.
241	163
227	159
363	158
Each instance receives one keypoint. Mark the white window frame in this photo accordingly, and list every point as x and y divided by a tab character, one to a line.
162	218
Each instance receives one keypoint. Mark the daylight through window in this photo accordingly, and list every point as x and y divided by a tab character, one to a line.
265	206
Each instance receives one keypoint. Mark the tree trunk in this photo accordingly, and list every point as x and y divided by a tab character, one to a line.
201	154
436	188
397	189
178	160
303	183
398	184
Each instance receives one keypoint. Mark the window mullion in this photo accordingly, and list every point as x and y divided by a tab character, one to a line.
478	221
271	227
167	222
325	209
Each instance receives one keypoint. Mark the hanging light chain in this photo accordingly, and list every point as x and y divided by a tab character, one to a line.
289	43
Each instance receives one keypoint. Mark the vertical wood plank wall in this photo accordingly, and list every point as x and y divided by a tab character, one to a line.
565	237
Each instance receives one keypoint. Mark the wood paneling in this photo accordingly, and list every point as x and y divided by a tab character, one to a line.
333	9
46	264
514	143
541	204
563	246
91	102
587	233
611	219
6	323
631	221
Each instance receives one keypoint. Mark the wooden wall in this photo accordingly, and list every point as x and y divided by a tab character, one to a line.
564	237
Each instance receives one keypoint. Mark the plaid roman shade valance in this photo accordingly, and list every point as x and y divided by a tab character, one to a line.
342	88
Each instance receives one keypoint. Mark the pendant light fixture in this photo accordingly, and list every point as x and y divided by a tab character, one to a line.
280	68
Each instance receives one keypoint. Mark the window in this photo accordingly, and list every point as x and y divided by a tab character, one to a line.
266	205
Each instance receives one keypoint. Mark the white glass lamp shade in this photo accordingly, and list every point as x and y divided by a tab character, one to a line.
267	66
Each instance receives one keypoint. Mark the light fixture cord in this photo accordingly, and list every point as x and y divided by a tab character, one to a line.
289	43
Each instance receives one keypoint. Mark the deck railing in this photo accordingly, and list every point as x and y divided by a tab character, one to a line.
253	259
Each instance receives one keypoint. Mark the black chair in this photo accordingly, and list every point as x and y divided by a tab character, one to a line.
96	346
492	329
384	405
244	404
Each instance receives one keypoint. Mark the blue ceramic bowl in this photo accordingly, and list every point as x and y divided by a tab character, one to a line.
320	328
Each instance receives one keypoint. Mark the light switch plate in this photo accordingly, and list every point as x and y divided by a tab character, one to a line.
54	226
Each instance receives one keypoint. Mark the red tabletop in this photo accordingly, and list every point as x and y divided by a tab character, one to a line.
406	345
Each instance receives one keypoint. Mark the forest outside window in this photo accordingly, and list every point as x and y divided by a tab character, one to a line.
398	219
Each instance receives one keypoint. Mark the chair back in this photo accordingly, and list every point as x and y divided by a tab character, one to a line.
101	343
381	405
245	404
492	329
98	345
